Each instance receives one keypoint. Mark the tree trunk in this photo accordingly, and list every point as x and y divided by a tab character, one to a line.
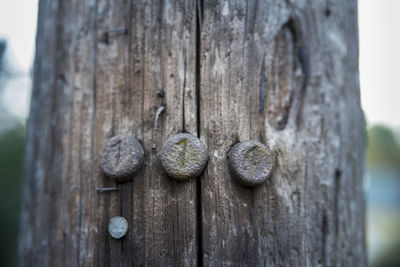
284	73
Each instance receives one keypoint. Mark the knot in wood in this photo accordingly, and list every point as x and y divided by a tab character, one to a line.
122	157
250	163
183	156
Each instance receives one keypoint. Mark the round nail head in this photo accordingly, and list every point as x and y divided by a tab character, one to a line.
250	163
118	227
122	157
183	156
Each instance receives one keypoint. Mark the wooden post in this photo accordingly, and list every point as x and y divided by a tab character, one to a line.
284	73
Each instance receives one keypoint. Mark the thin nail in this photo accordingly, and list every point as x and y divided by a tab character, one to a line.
106	189
115	31
159	111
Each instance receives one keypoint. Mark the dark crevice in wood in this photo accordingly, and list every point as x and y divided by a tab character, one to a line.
107	250
304	63
183	92
121	212
284	66
327	12
199	213
291	25
294	25
324	230
338	175
336	188
199	12
262	86
105	37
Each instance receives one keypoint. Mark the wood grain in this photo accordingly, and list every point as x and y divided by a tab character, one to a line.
301	216
93	88
284	73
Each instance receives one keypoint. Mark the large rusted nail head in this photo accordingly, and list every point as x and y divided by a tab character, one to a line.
122	157
183	156
250	163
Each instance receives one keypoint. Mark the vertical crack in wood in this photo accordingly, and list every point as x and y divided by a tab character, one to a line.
94	84
324	230
336	188
295	27
287	77
304	63
199	12
262	86
183	91
199	9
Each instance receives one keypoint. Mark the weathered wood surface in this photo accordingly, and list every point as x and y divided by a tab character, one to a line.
280	72
311	211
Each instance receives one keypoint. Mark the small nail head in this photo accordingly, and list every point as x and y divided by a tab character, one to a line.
122	157
183	156
250	163
118	227
160	93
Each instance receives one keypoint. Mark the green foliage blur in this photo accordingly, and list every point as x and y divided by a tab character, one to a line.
12	133
383	148
11	164
383	196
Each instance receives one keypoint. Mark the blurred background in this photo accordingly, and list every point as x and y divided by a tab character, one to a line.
380	95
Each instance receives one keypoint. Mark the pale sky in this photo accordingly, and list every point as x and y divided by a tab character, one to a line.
18	27
379	23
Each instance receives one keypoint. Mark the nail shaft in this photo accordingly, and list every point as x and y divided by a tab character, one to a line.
112	32
107	189
159	111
